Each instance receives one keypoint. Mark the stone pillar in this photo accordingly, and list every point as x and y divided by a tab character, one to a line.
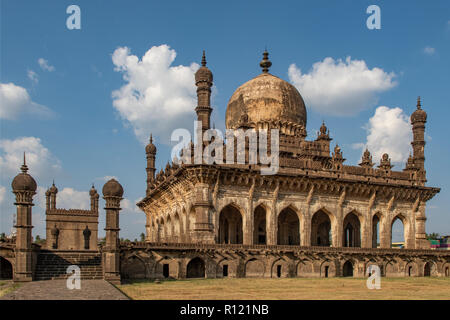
203	228
249	225
420	235
385	231
366	233
112	193
272	227
338	230
24	188
305	233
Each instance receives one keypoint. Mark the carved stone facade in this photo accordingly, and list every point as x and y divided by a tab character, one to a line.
71	229
314	200
315	217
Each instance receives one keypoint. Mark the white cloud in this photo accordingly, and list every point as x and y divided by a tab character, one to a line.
33	76
340	87
15	101
429	50
128	205
157	97
40	161
106	178
45	65
69	198
388	131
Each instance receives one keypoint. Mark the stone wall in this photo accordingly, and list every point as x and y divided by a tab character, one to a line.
178	261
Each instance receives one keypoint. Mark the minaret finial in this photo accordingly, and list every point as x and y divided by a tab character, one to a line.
204	59
151	138
24	167
419	105
265	64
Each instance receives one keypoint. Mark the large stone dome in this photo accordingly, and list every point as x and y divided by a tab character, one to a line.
266	98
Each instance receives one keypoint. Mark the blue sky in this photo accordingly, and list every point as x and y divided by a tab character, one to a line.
77	132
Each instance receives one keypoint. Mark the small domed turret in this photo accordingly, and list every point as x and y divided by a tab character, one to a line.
23	181
203	74
419	115
92	192
53	188
112	188
150	148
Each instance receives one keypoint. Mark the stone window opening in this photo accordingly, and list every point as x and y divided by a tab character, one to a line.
225	270
166	270
278	271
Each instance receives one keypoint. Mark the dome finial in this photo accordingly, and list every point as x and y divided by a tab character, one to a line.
265	64
419	105
151	138
24	167
204	59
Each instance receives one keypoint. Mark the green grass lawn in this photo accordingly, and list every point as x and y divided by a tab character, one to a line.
7	286
290	288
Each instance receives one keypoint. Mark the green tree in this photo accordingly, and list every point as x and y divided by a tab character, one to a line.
433	236
142	236
2	235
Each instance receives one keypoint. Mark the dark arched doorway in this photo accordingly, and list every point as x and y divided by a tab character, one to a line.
195	268
321	229
230	226
352	231
288	227
427	270
259	229
6	270
347	270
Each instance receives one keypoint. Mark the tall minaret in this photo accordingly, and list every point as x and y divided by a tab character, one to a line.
24	187
150	151
418	120
204	82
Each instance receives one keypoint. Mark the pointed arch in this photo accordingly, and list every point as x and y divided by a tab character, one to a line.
397	231
231	225
348	268
196	268
280	268
321	228
288	226
260	218
376	229
352	229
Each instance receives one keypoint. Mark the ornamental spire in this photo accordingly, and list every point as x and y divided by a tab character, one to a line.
24	167
265	63
419	105
204	59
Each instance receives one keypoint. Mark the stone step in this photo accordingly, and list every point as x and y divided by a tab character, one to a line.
53	265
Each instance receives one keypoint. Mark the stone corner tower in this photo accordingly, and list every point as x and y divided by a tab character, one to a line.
24	188
112	193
